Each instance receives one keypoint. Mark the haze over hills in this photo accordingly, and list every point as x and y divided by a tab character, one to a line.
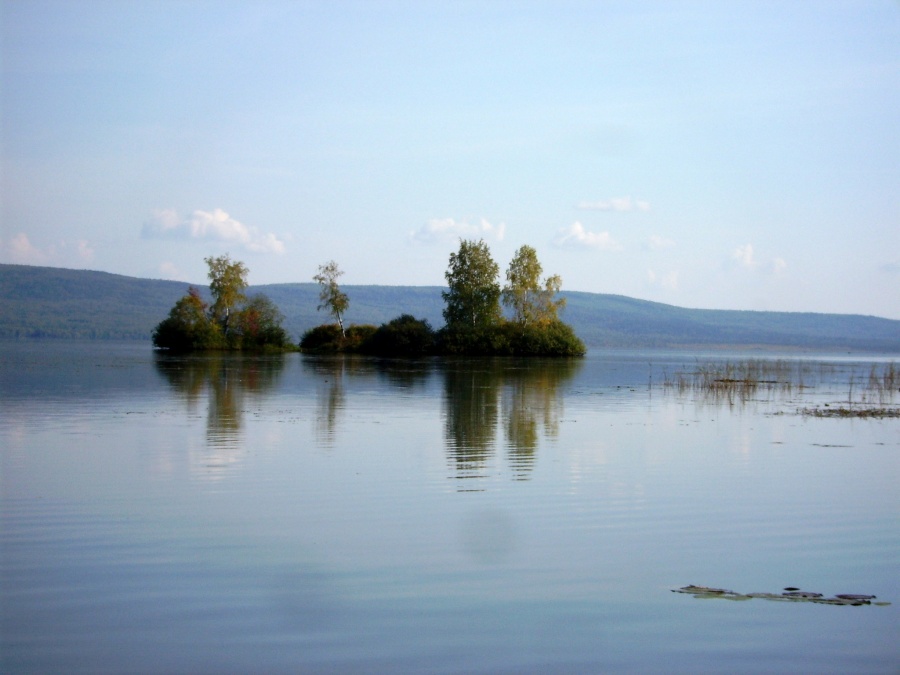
53	302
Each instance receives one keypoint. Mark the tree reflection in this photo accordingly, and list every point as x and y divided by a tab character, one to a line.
404	373
228	379
525	394
330	372
532	404
471	392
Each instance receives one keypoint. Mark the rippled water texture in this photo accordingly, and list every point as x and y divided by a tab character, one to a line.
337	515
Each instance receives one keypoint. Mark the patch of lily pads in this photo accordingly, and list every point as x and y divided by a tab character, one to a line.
790	594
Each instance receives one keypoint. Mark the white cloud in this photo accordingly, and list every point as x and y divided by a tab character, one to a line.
215	225
20	250
576	236
669	280
83	250
891	267
743	255
655	242
615	204
438	229
168	270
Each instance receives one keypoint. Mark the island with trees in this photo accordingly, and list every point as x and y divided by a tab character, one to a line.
232	322
475	323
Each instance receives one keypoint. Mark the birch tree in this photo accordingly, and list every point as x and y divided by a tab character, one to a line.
330	295
531	300
472	298
227	281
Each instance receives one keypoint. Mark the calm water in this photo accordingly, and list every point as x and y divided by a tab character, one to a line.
328	515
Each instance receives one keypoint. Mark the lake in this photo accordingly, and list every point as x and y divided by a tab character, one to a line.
298	514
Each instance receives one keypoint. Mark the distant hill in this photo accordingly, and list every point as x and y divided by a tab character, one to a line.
52	302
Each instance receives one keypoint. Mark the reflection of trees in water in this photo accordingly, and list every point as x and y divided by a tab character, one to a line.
229	378
471	390
405	373
329	372
525	393
532	404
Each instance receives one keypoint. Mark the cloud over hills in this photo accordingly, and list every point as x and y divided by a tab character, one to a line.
215	225
19	249
744	257
440	229
576	236
615	204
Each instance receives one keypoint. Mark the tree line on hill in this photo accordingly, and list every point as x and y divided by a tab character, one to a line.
474	321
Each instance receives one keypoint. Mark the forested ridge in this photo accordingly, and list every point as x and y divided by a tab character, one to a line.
62	303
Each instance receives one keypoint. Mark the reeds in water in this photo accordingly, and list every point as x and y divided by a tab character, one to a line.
733	382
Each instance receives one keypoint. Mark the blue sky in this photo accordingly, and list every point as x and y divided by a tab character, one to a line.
736	155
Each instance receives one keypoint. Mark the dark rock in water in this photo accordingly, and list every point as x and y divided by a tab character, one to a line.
791	594
703	590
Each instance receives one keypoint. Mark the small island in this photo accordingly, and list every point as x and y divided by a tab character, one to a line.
233	322
475	324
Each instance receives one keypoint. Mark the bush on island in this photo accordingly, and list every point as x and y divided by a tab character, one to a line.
403	336
553	338
327	338
510	338
188	327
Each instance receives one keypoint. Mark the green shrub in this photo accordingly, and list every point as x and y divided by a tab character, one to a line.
188	327
554	338
508	338
403	336
327	338
357	336
191	326
258	325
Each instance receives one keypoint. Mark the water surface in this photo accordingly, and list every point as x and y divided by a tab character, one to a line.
300	514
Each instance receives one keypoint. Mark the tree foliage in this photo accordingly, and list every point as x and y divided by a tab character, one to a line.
188	326
193	325
227	281
259	324
328	338
330	295
531	300
472	298
403	336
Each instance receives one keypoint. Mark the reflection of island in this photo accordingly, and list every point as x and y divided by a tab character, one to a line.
228	378
524	393
471	393
329	372
518	401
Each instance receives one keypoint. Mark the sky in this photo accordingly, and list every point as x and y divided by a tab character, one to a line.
728	155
